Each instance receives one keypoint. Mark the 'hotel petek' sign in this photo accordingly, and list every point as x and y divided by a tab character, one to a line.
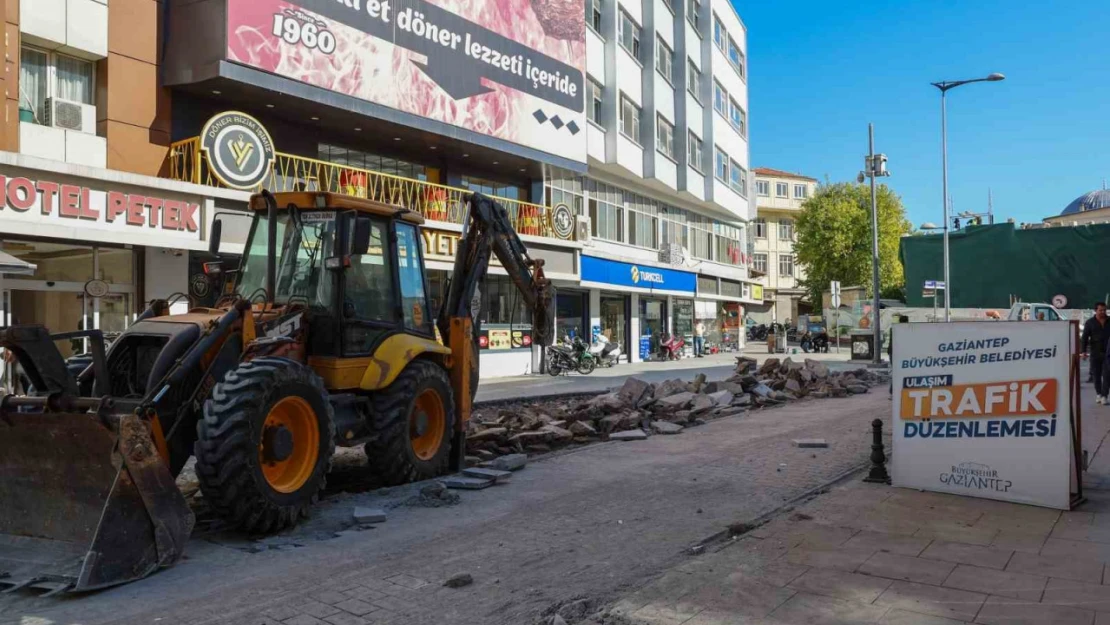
48	202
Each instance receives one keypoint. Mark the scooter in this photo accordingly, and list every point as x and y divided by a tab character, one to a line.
605	352
670	347
570	355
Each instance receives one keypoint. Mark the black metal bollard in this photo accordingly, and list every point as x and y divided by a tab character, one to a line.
878	474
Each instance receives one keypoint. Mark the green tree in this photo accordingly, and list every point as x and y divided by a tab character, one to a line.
834	239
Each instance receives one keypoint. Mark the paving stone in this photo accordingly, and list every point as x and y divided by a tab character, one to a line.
894	543
510	462
1079	594
467	483
303	619
907	568
953	534
776	573
905	617
280	613
665	427
844	559
628	435
317	609
950	603
498	476
407	581
343	618
1007	611
816	609
820	536
664	614
368	515
994	582
1088	550
328	596
1057	566
852	586
1019	541
962	553
356	607
363	593
1102	618
745	598
811	443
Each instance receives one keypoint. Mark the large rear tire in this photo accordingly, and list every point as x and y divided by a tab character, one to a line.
413	422
265	444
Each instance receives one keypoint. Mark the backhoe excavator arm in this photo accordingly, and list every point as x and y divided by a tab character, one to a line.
486	230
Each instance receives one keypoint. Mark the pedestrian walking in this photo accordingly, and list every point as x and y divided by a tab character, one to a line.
1093	346
699	340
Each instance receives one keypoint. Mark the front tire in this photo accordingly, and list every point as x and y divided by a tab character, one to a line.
413	422
265	444
587	366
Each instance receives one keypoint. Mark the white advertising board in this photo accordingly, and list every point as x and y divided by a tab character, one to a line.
984	410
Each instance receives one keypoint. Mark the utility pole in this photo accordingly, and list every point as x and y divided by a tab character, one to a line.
875	166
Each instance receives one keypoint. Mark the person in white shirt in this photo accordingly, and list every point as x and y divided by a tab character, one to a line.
699	339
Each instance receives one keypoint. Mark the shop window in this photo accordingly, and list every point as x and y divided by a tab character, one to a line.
707	285
614	320
411	269
643	229
570	315
495	189
684	319
358	159
730	288
44	75
502	303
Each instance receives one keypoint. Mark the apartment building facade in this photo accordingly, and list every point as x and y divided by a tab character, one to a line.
779	198
668	180
112	169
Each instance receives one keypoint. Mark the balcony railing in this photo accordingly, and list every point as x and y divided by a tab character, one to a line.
188	163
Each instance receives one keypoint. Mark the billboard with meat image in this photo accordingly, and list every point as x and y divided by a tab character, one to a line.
508	69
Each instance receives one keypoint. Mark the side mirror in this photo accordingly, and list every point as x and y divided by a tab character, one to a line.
360	242
214	237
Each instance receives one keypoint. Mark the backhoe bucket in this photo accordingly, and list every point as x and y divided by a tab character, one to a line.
86	501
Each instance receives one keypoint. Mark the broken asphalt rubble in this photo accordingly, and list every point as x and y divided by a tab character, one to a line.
641	408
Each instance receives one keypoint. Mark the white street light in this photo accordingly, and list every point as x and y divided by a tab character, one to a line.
944	86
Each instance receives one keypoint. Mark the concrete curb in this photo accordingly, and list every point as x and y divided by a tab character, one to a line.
726	534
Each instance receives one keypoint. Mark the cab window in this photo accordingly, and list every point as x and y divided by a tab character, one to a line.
410	268
369	302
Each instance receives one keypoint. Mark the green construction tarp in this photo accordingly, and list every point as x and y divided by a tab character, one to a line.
991	264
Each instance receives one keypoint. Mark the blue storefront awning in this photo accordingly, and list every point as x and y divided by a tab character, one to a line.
622	274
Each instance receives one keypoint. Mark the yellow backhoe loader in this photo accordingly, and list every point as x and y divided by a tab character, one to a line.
325	339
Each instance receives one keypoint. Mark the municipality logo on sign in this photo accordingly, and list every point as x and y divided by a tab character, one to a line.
240	151
647	276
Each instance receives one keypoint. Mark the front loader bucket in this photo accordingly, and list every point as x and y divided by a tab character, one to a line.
85	500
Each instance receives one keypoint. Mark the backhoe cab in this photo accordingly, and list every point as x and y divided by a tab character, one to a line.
326	338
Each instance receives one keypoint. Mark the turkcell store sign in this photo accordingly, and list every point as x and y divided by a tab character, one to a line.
617	273
984	409
508	70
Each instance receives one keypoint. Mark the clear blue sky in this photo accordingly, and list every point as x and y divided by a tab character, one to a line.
820	71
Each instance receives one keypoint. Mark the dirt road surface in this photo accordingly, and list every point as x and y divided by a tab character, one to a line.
589	524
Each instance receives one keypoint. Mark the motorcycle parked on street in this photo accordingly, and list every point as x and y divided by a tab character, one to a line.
605	352
670	347
570	355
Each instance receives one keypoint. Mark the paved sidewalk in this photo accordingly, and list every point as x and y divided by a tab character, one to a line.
875	554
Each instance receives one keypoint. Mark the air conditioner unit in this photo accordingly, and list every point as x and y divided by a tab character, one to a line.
582	230
71	115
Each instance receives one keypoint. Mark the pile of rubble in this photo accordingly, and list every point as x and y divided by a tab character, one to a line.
639	408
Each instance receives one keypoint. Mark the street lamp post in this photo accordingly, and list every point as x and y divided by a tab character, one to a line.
944	86
874	166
